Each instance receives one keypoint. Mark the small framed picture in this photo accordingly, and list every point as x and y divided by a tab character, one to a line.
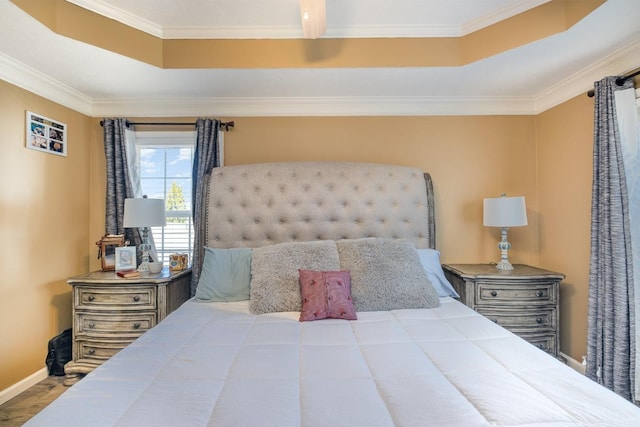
126	258
45	134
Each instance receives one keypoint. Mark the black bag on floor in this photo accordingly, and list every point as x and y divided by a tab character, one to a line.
59	353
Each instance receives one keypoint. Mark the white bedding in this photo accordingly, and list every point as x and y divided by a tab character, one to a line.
217	364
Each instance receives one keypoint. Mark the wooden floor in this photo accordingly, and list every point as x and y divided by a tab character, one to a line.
21	408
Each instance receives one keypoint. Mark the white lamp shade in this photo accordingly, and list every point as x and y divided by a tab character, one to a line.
505	212
314	21
144	213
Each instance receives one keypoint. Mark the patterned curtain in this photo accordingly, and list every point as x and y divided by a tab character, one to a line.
119	186
611	323
206	157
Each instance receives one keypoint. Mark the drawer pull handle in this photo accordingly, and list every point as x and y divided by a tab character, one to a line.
91	297
539	319
136	298
494	294
92	351
136	325
539	293
92	325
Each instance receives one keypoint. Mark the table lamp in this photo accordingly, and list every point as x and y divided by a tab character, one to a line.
144	213
504	212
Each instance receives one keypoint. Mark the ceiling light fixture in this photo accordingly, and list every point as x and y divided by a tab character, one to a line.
314	20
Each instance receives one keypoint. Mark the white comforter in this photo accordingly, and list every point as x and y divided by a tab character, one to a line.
217	364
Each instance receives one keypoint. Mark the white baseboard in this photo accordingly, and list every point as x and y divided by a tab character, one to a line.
14	390
573	363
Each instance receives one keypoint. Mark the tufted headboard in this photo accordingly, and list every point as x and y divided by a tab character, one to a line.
261	204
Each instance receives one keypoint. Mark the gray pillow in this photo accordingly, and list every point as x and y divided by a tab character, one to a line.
386	274
275	281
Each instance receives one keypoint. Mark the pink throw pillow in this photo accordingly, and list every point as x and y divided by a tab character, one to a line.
326	294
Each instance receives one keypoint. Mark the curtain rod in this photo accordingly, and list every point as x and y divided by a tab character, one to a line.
619	81
225	125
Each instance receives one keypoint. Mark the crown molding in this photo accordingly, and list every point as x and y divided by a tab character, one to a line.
122	16
622	61
314	106
513	9
285	32
39	83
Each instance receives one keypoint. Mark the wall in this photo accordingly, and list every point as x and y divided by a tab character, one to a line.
565	173
469	158
44	216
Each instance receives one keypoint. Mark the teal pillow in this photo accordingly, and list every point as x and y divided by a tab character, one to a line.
225	275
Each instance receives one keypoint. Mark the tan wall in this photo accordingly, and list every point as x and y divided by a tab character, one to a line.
469	158
565	172
44	217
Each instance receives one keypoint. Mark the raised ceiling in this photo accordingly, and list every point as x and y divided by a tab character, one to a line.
246	58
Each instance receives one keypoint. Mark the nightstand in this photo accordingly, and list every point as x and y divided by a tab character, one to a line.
523	300
110	312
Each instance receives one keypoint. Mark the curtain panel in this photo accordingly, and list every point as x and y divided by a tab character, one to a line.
611	322
207	155
119	185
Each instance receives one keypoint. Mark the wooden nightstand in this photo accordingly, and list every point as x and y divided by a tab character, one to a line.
110	312
523	300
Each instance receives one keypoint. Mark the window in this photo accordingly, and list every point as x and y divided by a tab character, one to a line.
164	166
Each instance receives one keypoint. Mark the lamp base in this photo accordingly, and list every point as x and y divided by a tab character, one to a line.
145	247
504	265
504	247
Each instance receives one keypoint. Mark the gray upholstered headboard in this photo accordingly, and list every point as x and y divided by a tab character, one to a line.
267	203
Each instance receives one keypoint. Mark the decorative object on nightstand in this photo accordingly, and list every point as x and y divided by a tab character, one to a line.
144	213
110	312
178	262
524	300
107	250
126	258
504	212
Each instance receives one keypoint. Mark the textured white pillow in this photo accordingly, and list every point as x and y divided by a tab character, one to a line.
386	274
275	281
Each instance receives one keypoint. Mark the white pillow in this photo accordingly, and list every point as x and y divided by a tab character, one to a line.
275	280
386	274
430	260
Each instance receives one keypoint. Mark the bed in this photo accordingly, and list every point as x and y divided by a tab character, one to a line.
321	302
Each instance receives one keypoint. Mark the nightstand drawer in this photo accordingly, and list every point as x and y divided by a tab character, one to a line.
512	294
133	325
103	298
99	351
518	320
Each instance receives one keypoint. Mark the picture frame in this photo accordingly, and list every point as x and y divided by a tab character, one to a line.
126	258
46	135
